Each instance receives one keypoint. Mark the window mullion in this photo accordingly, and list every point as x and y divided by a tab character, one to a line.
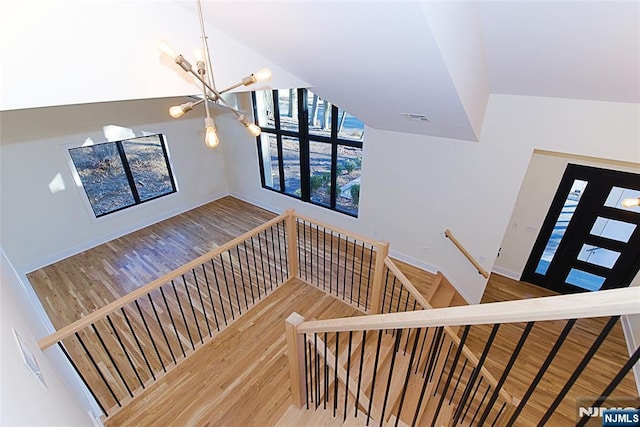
303	138
127	171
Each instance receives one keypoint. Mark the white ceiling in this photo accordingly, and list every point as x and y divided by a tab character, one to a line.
378	59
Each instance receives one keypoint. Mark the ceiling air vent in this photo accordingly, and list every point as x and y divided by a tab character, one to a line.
414	117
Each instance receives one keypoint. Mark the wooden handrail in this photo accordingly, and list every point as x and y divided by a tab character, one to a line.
132	296
476	264
470	355
612	302
372	242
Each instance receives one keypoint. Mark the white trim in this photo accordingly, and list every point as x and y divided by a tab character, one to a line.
418	263
258	203
507	273
632	345
50	259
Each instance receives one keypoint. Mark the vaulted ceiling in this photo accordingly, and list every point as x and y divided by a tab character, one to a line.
380	59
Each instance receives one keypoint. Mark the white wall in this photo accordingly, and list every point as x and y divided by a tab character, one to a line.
415	187
24	401
40	226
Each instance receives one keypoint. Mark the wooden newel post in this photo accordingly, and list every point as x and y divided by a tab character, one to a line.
382	251
295	352
292	242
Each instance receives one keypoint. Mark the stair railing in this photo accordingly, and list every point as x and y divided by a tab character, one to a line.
125	346
449	235
441	369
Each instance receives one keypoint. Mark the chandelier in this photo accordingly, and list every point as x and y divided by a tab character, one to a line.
203	73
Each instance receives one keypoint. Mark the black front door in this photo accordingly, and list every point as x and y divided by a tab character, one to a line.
589	241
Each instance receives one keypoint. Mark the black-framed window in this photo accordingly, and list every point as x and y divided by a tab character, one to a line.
117	175
309	149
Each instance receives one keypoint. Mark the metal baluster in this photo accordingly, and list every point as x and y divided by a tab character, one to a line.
473	397
184	318
226	283
304	238
213	306
153	342
353	272
113	362
424	339
360	275
244	286
84	381
306	374
215	277
326	373
124	350
346	389
344	274
173	323
235	285
338	266
393	361
324	258
255	266
204	310
335	378
375	370
484	396
364	342
504	405
193	310
455	388
408	375
331	266
264	273
275	262
369	275
135	338
164	335
95	365
246	257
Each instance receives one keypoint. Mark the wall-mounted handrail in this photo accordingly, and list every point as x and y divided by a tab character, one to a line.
132	296
466	253
623	301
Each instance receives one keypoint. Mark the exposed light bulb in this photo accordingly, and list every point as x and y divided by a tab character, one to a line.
178	110
631	202
263	75
211	136
254	129
198	54
251	127
167	49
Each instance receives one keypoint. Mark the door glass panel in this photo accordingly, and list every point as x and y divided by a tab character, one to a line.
613	229
598	256
618	194
569	207
584	280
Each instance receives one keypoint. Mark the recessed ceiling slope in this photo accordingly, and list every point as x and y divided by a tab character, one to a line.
374	59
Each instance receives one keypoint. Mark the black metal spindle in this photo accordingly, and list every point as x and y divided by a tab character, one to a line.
384	292
255	267
304	238
338	265
153	342
164	335
84	381
310	241
244	285
346	388
193	309
215	277
424	339
416	413
246	257
184	318
275	261
399	294
583	364
124	350
266	246
344	274
375	371
213	306
283	235
316	366
311	368
353	271
545	365
478	367
505	372
396	347
95	365
326	373
473	397
324	258
299	248
613	384
317	254
484	396
455	388
434	352
226	283
363	344
264	271
113	362
369	275
435	390
235	284
331	265
495	420
204	310
360	275
175	329
135	338
465	333
408	375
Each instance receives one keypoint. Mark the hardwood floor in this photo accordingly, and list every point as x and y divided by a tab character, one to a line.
245	380
80	284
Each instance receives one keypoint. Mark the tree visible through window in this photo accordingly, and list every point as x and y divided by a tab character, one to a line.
309	148
117	175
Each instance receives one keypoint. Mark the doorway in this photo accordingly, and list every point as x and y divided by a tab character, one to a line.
588	241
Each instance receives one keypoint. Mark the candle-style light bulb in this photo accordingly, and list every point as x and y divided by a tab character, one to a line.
211	136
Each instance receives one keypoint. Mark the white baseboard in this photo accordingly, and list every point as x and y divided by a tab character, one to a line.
257	203
507	273
43	262
413	261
